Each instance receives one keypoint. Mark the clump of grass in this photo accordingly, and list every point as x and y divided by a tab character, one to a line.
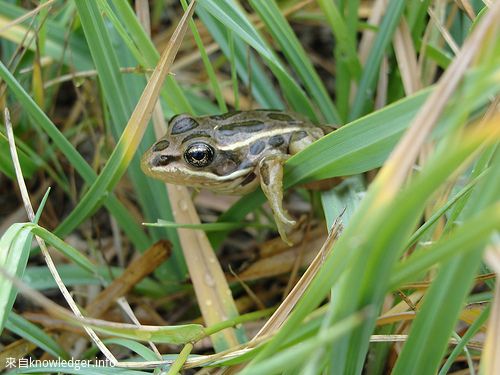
402	284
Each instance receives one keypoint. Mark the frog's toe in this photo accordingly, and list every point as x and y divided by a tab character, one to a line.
285	227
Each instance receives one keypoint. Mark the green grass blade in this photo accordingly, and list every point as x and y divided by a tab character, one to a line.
34	334
296	56
116	91
172	94
393	13
39	278
15	246
466	238
345	37
28	164
300	353
146	353
428	340
122	215
262	88
206	62
229	13
72	52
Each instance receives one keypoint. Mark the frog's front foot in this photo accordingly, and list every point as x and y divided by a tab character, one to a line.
271	182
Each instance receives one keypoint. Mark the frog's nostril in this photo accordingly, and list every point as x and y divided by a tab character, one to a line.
162	160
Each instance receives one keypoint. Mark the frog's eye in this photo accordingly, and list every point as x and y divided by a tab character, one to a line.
199	154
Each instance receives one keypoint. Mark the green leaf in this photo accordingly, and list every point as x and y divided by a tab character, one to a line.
179	334
206	227
34	334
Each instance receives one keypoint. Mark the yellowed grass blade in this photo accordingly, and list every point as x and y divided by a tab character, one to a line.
212	291
407	59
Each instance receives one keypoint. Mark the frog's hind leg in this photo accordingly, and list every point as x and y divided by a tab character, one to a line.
271	182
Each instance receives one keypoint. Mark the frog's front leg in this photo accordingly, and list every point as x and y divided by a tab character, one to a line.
271	182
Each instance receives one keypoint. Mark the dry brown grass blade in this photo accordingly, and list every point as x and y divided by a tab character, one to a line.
25	16
283	262
444	32
400	162
18	349
138	269
212	290
407	59
491	353
366	43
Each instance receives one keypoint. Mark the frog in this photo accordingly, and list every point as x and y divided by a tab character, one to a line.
233	153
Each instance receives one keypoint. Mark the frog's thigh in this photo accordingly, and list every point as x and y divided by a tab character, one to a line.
271	181
299	142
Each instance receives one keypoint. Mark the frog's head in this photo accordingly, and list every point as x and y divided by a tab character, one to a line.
188	155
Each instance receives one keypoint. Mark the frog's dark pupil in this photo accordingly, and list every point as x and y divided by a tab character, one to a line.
199	154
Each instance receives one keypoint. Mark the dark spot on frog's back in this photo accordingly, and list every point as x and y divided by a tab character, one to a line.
182	124
162	160
161	145
276	140
257	147
250	126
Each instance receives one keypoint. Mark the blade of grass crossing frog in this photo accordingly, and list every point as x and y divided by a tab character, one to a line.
370	73
377	131
122	215
364	144
262	89
230	14
132	135
296	56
